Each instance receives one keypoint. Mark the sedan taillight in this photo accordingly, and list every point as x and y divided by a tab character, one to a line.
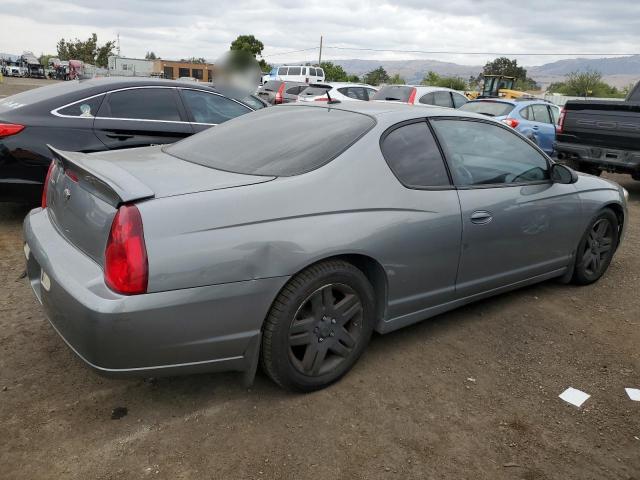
8	129
512	122
47	179
126	269
280	95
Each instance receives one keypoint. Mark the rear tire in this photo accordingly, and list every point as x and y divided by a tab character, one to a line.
596	248
318	326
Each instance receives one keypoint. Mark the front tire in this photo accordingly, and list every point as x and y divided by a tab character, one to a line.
596	248
318	326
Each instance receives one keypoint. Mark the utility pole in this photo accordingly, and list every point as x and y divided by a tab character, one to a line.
320	55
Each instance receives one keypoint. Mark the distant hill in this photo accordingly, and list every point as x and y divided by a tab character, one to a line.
618	71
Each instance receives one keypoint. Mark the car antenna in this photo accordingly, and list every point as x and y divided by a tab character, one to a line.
331	101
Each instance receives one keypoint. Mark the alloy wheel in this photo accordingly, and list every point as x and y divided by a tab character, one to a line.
597	247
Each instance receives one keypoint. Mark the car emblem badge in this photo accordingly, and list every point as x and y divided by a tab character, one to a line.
67	194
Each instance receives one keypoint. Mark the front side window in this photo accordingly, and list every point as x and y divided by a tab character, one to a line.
481	153
414	157
84	108
141	104
211	108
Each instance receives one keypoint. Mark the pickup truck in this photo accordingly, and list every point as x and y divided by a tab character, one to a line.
597	135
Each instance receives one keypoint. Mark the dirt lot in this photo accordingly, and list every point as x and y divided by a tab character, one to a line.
472	394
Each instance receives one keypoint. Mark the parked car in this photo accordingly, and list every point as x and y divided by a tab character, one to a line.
243	243
418	94
535	119
101	114
296	73
345	92
602	135
275	92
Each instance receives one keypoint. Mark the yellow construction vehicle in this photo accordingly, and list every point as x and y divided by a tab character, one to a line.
498	86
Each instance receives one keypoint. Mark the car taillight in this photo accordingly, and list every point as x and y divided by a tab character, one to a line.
43	204
512	122
412	96
126	269
279	95
8	129
560	126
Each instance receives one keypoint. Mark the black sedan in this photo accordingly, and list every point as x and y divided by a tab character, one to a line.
103	114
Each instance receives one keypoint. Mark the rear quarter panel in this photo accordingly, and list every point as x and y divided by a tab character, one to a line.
354	205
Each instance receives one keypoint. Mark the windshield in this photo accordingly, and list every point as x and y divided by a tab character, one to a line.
489	108
398	93
254	144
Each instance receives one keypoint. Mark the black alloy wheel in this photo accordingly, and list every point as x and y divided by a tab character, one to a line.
596	248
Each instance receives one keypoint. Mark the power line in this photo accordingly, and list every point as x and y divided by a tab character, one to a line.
292	51
449	52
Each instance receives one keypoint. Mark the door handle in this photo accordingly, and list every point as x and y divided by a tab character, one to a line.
481	217
119	136
535	127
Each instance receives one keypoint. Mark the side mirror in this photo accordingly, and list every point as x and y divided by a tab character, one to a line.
563	174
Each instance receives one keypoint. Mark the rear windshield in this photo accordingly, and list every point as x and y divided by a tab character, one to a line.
254	144
35	95
492	109
398	93
272	85
315	91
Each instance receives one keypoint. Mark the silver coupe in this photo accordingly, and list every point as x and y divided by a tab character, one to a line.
288	235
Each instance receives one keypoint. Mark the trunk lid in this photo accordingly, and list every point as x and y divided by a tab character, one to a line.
85	190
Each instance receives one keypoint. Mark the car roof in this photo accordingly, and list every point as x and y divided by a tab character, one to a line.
426	88
515	102
391	112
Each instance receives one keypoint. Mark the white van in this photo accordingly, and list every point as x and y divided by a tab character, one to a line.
296	73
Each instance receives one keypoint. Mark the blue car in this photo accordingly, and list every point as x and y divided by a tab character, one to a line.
535	119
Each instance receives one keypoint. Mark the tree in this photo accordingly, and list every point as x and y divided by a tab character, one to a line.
377	76
249	43
44	59
194	60
509	68
588	83
333	73
86	51
433	79
151	56
396	79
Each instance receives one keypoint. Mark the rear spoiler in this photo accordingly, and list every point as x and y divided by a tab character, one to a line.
103	179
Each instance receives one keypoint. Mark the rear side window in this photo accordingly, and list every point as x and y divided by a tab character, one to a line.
489	108
294	71
282	70
442	99
142	103
211	108
370	93
541	113
314	91
83	109
312	72
271	86
394	93
428	99
321	135
458	100
526	113
414	157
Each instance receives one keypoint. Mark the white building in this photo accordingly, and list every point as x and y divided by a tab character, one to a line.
129	67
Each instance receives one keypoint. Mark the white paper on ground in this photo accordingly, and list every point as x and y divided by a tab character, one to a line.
634	394
574	396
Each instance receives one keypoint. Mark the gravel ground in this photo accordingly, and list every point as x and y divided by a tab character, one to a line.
472	394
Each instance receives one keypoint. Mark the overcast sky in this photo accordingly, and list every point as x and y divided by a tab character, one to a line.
204	28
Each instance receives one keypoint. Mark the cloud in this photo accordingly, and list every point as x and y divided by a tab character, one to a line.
204	28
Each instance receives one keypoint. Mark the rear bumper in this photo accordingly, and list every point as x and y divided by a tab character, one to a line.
607	158
210	328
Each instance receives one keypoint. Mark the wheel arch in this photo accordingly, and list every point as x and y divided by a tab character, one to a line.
619	212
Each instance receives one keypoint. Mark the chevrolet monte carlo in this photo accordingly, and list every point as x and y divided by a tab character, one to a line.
245	244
